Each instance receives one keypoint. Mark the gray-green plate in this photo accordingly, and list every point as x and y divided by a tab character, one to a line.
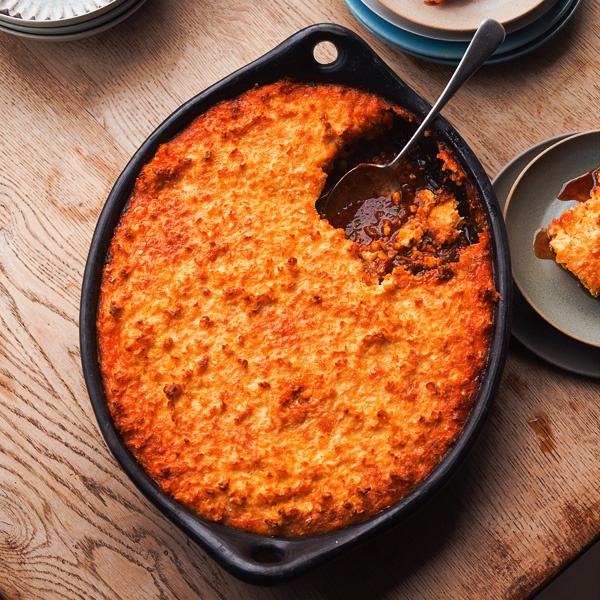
531	330
532	203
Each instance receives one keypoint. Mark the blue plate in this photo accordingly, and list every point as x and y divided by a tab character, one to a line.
516	44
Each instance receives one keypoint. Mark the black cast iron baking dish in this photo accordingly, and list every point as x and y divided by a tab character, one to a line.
254	558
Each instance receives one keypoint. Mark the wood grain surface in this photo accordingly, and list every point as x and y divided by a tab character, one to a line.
72	525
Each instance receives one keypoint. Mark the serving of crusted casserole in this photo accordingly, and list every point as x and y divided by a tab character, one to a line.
575	240
266	371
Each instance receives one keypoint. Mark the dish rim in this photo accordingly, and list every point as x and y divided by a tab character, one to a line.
233	549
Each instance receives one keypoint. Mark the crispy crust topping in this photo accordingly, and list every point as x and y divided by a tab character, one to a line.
250	366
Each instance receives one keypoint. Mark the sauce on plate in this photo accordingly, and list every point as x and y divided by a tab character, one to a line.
580	188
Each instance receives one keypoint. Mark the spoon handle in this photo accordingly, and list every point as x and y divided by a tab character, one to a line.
489	35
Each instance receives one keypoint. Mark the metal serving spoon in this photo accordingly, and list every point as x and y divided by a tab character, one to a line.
370	180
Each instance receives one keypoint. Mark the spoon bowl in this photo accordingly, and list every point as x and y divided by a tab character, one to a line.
366	180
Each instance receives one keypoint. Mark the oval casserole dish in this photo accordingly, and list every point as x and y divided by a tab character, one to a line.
269	559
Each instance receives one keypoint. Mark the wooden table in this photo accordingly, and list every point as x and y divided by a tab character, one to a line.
72	525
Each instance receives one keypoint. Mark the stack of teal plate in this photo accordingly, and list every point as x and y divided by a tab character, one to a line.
441	32
61	20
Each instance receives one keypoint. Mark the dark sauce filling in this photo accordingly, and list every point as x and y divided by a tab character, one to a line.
374	223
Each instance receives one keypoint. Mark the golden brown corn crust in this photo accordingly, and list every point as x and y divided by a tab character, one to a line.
252	368
575	240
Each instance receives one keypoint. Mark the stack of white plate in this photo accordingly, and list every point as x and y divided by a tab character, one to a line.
61	20
440	33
